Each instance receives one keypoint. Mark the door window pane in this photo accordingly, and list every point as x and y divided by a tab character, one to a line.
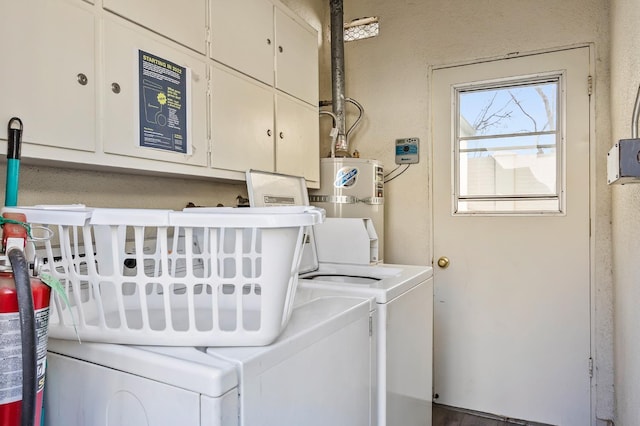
508	147
527	108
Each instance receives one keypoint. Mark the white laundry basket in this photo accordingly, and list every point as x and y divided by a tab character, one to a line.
203	277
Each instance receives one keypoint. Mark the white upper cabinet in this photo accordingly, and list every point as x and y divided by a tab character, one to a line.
242	126
296	58
242	36
183	21
266	42
236	85
265	115
48	77
128	107
297	129
255	127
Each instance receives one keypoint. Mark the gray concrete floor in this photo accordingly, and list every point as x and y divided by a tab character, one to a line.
450	416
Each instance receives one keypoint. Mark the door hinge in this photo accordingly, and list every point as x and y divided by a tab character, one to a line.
590	367
370	326
590	85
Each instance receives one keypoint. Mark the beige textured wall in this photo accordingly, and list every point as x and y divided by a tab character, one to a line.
625	78
388	75
49	185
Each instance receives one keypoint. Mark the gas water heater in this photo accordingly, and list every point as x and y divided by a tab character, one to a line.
352	187
349	187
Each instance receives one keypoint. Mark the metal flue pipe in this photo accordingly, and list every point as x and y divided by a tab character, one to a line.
337	76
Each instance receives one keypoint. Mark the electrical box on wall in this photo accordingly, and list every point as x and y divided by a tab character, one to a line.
623	162
407	150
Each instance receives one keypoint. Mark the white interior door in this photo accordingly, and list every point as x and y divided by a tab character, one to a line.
511	215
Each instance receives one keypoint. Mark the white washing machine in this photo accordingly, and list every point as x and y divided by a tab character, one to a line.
404	331
318	372
340	258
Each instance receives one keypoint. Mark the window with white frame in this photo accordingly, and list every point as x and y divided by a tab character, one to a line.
508	146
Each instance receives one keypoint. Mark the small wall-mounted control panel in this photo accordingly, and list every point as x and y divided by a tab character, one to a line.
407	150
623	162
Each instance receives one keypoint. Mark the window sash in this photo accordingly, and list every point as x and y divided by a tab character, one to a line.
487	203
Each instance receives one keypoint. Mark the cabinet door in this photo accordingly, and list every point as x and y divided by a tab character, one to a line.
47	47
184	22
242	36
242	122
296	58
122	118
297	150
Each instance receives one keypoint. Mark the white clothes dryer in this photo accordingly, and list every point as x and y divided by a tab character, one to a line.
318	372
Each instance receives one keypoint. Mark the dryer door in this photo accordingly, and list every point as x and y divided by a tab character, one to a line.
79	393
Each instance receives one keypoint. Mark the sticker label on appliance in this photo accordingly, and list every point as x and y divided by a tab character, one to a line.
278	200
346	177
163	98
379	172
11	354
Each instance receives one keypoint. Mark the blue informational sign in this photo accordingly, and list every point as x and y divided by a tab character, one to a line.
163	104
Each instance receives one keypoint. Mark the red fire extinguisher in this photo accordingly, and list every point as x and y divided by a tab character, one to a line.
24	315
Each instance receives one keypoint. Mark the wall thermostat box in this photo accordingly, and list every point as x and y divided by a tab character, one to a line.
407	150
623	162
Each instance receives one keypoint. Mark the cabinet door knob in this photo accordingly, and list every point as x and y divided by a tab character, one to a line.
268	41
82	79
280	49
269	132
115	88
281	135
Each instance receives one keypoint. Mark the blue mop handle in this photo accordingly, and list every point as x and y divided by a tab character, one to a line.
14	140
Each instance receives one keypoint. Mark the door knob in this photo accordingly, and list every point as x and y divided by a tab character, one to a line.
443	262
